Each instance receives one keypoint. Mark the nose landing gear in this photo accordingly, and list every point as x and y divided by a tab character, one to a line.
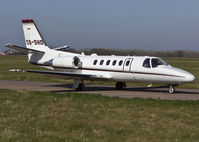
171	89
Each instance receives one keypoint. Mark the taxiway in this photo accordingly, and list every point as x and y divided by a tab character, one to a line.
129	92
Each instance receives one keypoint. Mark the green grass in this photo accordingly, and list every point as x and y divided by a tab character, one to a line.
46	116
20	62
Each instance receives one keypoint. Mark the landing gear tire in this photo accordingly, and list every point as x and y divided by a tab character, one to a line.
80	87
171	90
120	85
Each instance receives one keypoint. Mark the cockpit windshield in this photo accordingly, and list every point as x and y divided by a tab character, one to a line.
158	61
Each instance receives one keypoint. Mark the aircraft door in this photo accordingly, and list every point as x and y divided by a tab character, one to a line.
127	65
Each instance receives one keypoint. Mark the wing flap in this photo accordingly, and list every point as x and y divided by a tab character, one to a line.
60	73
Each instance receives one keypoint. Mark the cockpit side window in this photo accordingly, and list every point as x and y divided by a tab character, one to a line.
146	63
156	62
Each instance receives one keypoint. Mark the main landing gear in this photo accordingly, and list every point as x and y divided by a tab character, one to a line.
171	89
78	85
120	85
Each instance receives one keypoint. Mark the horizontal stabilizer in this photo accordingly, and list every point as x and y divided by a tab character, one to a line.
17	48
21	49
62	48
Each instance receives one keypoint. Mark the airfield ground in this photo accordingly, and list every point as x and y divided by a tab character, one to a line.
105	90
50	116
68	116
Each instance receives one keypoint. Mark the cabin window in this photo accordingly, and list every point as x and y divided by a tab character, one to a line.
146	63
95	62
114	62
157	62
101	62
120	63
127	63
108	62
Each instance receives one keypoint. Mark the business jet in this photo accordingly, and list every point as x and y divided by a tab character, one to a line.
80	67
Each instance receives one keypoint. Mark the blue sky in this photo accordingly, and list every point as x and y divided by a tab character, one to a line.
121	24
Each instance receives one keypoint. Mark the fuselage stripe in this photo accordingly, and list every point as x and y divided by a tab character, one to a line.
111	71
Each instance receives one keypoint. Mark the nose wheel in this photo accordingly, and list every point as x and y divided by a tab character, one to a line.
171	89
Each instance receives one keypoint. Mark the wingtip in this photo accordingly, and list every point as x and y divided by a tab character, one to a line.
8	44
17	70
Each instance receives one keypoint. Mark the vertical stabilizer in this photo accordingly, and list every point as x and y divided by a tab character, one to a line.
33	38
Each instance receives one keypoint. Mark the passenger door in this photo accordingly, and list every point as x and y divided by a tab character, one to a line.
127	65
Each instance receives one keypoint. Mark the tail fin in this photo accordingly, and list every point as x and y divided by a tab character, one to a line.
33	38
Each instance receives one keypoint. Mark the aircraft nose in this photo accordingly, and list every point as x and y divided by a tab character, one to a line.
189	77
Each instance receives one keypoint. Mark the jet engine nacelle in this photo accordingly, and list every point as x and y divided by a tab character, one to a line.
67	62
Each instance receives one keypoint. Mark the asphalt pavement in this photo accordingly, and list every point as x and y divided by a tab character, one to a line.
129	92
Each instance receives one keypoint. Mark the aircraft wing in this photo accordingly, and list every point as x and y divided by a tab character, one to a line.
65	74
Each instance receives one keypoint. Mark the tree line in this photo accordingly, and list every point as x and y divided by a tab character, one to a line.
138	52
127	52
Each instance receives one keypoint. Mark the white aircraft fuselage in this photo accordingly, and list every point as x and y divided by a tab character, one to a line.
130	69
81	67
